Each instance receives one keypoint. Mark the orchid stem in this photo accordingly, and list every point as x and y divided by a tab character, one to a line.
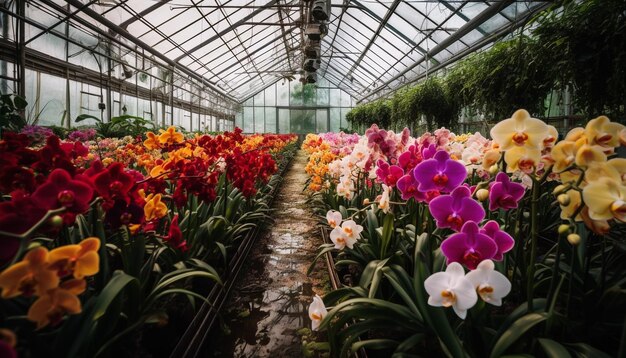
533	244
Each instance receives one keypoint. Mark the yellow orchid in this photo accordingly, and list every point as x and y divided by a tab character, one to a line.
572	206
157	171
587	154
520	130
491	157
563	155
601	131
152	142
606	199
522	158
619	164
52	307
154	208
598	170
170	136
78	260
30	276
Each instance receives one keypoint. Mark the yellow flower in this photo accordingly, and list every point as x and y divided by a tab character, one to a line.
564	155
522	158
170	136
78	260
157	171
29	276
520	131
606	199
587	154
601	131
52	307
154	208
152	142
574	203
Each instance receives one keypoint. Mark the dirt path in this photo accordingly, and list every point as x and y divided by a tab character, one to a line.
269	306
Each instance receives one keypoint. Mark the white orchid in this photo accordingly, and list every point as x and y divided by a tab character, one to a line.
384	204
451	289
334	218
346	235
490	284
317	312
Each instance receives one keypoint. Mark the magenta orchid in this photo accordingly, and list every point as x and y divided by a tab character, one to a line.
388	174
503	240
469	246
455	209
504	193
408	187
440	173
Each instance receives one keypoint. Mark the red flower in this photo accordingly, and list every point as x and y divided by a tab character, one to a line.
61	190
175	236
114	183
16	216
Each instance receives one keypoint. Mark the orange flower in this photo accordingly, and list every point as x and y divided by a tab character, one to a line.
152	142
30	276
170	136
52	307
79	260
155	208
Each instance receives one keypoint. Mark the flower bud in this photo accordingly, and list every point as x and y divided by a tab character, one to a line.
573	239
563	199
493	170
366	201
558	190
56	221
482	194
563	229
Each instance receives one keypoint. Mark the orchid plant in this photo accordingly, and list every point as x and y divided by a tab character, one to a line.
529	225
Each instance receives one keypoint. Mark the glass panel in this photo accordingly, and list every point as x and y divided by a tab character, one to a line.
345	99
259	119
259	99
322	95
335	97
270	119
322	120
283	121
302	121
239	119
270	95
282	93
248	119
335	119
344	123
296	93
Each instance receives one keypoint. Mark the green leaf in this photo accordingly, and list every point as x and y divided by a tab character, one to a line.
82	117
20	102
553	349
587	351
515	331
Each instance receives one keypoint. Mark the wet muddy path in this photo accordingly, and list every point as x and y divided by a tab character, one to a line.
269	306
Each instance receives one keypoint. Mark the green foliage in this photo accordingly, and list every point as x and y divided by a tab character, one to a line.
119	126
10	107
586	47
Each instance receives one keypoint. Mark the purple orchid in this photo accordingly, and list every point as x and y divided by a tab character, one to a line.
410	158
440	173
429	151
469	246
454	210
388	174
408	188
504	193
503	240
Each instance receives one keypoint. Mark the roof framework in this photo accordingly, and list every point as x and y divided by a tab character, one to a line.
240	47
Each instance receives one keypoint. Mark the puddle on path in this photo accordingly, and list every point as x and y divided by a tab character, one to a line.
269	305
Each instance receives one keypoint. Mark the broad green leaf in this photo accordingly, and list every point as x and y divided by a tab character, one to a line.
515	331
82	117
553	349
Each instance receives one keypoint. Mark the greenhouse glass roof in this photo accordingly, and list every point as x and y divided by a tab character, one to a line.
241	47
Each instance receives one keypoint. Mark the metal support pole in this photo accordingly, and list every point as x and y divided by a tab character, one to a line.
21	50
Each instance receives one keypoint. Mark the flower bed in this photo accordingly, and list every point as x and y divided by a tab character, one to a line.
103	238
457	245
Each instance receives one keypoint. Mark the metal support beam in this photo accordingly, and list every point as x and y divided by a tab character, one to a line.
381	26
228	29
143	13
69	16
21	49
483	42
465	29
125	34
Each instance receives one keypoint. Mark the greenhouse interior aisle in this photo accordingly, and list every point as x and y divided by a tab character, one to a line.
268	308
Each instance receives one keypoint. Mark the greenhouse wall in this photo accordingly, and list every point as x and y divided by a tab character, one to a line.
290	107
